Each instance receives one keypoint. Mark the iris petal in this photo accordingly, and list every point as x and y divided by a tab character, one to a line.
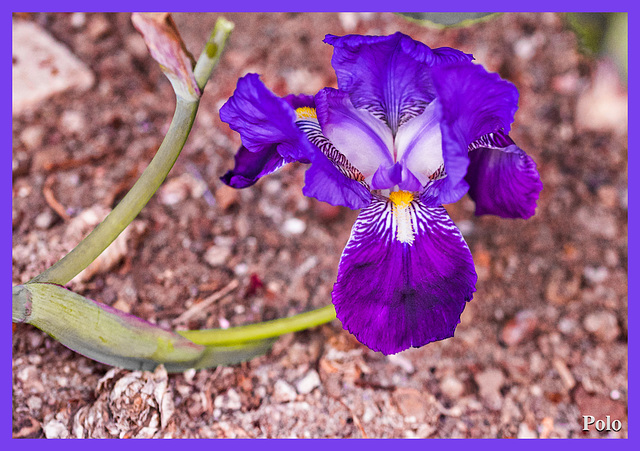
325	182
396	290
364	140
474	103
264	119
503	179
388	75
250	166
419	143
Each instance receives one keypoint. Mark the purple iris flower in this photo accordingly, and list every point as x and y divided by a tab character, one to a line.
409	129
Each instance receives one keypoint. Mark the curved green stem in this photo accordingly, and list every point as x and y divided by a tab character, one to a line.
151	179
259	331
125	212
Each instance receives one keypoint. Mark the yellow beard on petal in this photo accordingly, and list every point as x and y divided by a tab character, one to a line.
305	112
401	201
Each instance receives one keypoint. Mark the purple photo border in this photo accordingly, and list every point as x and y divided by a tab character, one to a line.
327	5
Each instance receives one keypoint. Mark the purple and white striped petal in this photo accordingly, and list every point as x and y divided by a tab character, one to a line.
326	182
405	275
503	179
331	177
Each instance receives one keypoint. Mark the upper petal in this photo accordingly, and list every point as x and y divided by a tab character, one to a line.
364	140
419	143
503	179
474	103
388	75
264	119
404	277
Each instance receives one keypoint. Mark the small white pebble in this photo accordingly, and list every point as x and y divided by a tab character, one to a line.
596	275
272	186
402	362
310	381
217	255
78	20
55	429
536	390
73	121
368	415
283	392
241	269
24	191
524	431
294	226
189	375
466	227
566	325
229	401
44	220
34	403
224	323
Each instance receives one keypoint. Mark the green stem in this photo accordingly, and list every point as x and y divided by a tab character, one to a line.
267	329
212	51
125	212
150	180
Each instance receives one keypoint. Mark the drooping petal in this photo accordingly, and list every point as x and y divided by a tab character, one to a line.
388	75
404	277
250	166
474	103
437	189
364	140
265	120
324	181
503	179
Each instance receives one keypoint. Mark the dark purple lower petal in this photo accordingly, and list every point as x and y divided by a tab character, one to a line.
503	179
250	166
394	290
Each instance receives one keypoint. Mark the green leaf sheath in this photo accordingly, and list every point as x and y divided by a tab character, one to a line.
116	338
